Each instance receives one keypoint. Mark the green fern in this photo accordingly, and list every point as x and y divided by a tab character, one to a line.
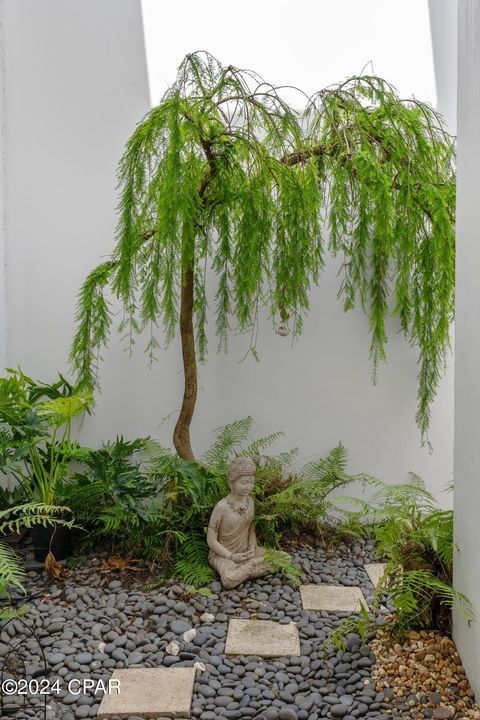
281	562
229	439
34	513
329	468
256	447
192	560
11	571
302	500
361	624
13	520
417	541
418	596
115	517
11	613
438	534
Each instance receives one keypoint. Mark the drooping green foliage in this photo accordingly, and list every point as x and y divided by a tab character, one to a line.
224	173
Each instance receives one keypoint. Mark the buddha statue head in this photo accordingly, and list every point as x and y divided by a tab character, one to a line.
241	476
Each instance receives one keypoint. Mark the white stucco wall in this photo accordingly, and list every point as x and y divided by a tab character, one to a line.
443	24
308	45
467	336
3	235
75	86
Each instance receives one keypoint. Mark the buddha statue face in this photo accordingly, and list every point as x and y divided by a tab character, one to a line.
242	486
241	476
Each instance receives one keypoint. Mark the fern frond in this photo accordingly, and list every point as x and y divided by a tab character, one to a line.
360	624
328	469
192	560
30	514
11	613
229	439
412	592
255	448
281	562
11	571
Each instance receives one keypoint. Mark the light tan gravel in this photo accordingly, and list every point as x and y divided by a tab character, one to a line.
426	665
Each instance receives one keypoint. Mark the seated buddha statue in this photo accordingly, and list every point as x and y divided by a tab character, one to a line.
234	552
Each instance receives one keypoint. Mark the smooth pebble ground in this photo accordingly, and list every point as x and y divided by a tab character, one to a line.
90	625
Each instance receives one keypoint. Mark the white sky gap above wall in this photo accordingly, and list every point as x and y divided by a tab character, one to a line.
306	43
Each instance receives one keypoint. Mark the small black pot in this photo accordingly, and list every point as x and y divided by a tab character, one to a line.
56	539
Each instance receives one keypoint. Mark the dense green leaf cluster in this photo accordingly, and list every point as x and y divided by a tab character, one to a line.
415	540
14	520
11	571
142	500
224	173
35	432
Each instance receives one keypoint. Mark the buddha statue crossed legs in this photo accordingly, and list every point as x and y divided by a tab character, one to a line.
234	552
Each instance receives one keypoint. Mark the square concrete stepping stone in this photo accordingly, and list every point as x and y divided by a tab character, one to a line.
332	598
150	692
375	572
265	638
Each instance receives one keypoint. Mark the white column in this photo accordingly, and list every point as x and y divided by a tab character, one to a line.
3	220
443	26
467	337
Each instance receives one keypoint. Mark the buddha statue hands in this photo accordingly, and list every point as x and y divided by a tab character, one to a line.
234	552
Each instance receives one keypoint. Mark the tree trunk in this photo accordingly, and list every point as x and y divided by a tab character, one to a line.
181	434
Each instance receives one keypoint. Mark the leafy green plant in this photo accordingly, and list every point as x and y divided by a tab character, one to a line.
34	513
14	519
416	539
11	571
111	475
146	501
48	462
225	174
281	562
361	625
115	498
302	500
286	501
190	490
35	434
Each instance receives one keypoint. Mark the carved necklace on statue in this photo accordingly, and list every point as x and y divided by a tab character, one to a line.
242	509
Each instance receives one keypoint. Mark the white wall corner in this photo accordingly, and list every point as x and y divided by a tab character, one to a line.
443	27
467	339
3	219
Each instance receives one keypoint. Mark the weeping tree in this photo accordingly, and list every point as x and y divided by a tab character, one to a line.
223	174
